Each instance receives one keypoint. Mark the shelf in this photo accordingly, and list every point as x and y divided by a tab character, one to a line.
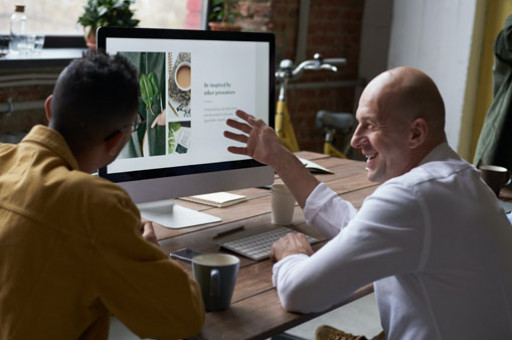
48	57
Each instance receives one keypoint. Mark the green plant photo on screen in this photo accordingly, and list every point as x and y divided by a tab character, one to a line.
149	139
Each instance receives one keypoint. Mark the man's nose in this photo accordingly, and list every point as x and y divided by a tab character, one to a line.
355	141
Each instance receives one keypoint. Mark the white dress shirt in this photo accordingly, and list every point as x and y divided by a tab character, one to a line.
434	241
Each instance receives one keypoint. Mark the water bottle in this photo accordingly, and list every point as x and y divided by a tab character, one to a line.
18	28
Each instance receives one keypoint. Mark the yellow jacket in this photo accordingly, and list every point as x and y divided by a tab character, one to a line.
71	251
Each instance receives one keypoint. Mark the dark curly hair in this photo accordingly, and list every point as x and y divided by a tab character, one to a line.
94	96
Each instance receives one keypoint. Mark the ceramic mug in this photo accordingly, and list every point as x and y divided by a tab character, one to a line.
216	275
495	176
283	205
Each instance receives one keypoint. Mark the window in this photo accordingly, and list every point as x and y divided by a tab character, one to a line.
57	17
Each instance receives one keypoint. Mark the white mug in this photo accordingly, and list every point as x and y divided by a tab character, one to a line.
283	204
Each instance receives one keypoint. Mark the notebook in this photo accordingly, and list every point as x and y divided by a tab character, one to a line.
216	199
314	168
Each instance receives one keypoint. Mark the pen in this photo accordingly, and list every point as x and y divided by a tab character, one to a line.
227	232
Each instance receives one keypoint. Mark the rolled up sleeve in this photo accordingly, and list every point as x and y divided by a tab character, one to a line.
378	242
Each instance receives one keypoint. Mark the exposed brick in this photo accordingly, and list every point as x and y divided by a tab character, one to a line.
334	31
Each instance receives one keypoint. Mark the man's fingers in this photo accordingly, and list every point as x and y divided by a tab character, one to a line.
238	150
237	137
253	121
243	115
239	125
148	233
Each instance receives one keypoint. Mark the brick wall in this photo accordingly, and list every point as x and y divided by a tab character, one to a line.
334	30
31	85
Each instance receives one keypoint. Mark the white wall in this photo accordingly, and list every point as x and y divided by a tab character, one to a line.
375	34
436	37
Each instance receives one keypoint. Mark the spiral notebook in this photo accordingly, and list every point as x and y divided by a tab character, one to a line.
216	199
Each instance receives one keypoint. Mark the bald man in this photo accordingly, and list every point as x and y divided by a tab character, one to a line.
432	238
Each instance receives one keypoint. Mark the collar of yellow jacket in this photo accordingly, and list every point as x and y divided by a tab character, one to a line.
52	140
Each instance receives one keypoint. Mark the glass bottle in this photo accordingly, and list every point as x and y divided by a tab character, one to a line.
18	28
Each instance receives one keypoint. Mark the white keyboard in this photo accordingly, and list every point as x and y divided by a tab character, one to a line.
257	246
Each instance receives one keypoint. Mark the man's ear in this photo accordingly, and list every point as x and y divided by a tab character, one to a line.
419	131
47	105
115	143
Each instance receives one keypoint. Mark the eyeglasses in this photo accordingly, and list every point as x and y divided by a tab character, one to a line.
139	120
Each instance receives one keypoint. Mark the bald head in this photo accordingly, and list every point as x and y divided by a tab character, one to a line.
407	93
401	120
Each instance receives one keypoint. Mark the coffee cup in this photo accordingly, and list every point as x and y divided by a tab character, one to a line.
216	275
283	204
495	177
183	76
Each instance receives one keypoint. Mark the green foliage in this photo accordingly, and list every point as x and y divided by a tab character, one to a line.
173	128
149	90
224	11
107	13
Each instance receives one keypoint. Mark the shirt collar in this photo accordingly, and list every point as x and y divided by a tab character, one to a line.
440	153
52	140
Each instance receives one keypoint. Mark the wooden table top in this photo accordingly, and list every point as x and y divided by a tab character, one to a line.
255	311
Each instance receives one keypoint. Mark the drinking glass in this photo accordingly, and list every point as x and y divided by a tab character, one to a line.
38	43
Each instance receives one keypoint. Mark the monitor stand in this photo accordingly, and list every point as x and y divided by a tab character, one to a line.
173	216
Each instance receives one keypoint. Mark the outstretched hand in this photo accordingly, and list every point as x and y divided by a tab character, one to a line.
261	141
262	144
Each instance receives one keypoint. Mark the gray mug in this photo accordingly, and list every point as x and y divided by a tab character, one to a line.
216	275
495	177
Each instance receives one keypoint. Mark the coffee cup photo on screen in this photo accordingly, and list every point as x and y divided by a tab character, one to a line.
150	137
179	83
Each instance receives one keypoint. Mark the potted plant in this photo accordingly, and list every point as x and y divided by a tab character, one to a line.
105	13
223	15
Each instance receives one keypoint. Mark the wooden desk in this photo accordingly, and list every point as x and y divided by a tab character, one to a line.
255	312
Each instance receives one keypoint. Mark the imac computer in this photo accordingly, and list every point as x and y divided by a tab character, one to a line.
190	83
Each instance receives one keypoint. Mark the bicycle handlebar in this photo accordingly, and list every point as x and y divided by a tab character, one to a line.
336	61
286	69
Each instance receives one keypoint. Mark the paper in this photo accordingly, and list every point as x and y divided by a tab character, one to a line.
216	199
315	168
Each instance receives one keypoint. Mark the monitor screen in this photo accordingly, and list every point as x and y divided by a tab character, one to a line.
190	83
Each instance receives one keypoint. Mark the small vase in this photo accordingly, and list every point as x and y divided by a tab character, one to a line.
90	39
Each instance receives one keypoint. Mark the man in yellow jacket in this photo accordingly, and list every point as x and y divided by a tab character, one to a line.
73	249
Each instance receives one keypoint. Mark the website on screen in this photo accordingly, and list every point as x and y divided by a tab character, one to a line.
187	91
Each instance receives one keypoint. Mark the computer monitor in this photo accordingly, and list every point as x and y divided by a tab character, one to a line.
191	82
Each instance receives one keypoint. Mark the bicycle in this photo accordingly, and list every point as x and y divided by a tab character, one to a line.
333	122
330	121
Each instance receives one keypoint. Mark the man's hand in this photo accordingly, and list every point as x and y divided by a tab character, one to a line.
261	141
148	233
159	120
263	145
289	245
